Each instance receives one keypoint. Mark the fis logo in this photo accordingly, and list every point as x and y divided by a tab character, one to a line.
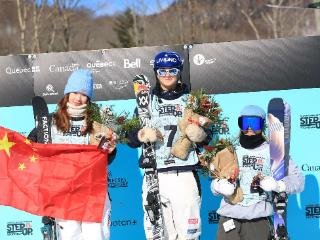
310	121
313	211
19	228
132	64
213	217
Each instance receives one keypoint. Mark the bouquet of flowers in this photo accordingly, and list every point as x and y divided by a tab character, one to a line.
201	111
220	161
207	156
104	119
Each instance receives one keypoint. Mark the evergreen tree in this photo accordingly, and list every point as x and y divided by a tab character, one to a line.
124	25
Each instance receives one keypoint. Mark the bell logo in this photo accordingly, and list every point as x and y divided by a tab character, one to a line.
134	64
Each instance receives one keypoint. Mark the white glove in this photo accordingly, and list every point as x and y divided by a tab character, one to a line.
195	133
269	184
222	186
147	134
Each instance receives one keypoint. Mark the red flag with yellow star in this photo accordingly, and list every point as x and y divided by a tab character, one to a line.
66	181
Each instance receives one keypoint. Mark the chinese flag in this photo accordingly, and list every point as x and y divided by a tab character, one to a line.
66	181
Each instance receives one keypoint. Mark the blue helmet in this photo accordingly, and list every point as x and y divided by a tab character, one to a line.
253	110
252	116
167	59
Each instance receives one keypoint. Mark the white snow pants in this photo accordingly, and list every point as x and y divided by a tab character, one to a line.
76	230
181	202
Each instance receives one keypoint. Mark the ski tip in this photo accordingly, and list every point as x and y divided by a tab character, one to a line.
275	104
37	98
140	78
276	101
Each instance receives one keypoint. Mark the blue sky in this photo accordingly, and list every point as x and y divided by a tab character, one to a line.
103	7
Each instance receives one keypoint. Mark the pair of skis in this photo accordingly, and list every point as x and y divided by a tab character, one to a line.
281	110
153	208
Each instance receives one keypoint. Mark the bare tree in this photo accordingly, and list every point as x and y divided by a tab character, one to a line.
23	7
138	11
165	21
179	9
248	12
53	26
37	14
192	12
65	13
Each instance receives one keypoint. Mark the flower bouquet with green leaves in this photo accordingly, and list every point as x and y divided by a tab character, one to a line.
201	113
105	119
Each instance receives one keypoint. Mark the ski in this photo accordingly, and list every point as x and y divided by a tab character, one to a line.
41	118
281	110
148	161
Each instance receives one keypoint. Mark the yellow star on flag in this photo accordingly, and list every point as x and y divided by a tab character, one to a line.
6	145
22	166
27	141
33	158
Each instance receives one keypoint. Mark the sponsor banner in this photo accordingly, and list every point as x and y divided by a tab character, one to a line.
310	121
16	80
16	225
125	178
250	66
313	211
113	70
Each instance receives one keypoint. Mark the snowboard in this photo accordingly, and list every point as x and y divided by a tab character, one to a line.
42	123
41	118
281	110
148	160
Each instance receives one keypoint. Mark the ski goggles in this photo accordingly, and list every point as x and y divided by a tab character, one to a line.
254	123
170	71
